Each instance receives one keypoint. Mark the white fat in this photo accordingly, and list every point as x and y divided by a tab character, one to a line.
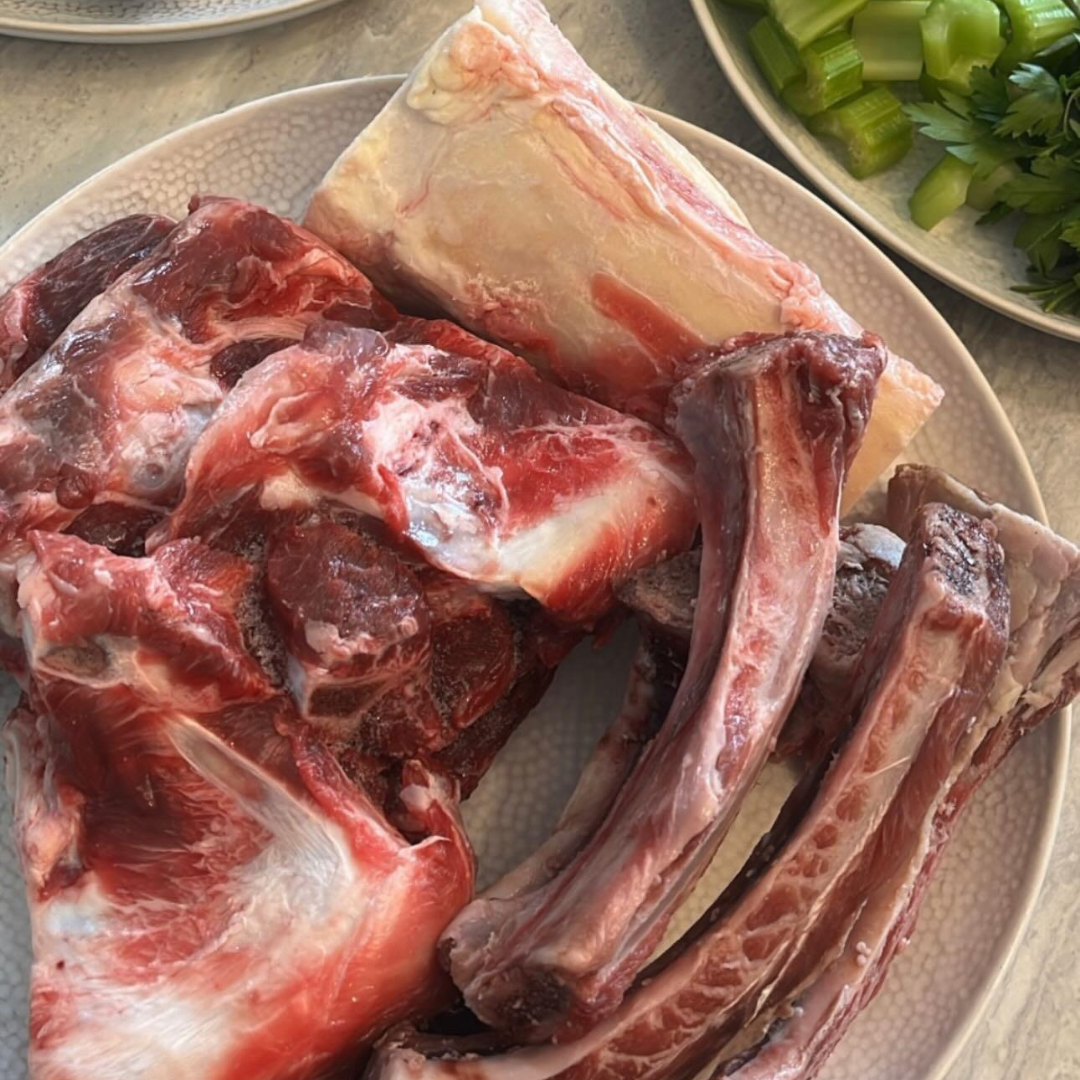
286	491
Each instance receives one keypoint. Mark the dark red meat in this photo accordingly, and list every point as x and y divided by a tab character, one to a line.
938	641
106	418
206	886
36	310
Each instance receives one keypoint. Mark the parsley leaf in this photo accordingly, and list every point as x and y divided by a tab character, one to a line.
1036	111
947	122
1053	184
989	95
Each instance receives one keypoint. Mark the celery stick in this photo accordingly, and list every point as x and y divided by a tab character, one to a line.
1035	25
941	191
959	36
872	130
805	21
889	39
833	72
775	55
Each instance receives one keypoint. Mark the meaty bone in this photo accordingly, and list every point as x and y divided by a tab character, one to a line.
772	428
936	645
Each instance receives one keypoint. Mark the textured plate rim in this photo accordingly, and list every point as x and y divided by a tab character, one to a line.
1018	310
1058	727
149	33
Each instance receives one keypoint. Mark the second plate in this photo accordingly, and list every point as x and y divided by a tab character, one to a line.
132	21
982	263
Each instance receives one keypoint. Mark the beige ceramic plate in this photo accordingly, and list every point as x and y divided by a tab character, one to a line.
273	152
130	21
980	262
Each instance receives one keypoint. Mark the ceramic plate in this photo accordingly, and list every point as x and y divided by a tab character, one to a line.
128	21
980	262
273	152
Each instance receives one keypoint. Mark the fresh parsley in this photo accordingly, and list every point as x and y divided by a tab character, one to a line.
1029	117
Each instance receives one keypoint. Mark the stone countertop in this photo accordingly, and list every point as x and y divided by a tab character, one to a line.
68	110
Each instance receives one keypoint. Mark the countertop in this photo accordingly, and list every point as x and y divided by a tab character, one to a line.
68	110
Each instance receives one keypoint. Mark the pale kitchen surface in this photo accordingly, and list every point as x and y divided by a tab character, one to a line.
68	110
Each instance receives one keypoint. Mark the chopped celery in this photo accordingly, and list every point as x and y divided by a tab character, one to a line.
805	21
889	39
833	71
1035	25
872	129
757	5
941	191
775	55
959	36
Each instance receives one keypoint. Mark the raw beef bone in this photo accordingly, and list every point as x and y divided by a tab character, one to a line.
94	437
462	451
512	188
663	598
771	428
35	311
1041	674
210	897
945	619
654	679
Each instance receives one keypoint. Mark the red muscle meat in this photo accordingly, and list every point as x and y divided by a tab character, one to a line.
105	419
937	643
771	428
35	311
210	897
384	654
492	474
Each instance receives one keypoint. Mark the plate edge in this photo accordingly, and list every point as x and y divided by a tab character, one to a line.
135	34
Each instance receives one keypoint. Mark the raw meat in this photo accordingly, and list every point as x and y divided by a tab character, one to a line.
654	679
1040	675
509	186
663	596
494	475
869	556
938	641
540	645
169	630
211	898
105	419
35	311
772	428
